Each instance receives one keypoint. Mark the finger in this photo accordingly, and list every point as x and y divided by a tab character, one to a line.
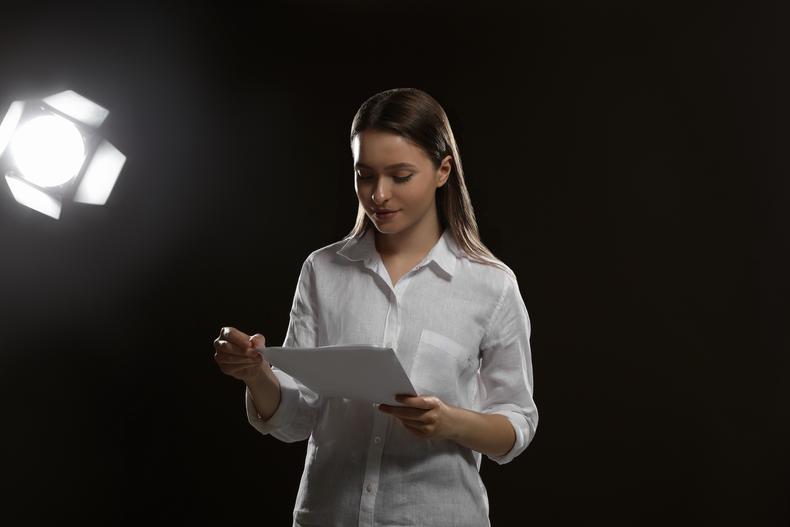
238	371
412	422
258	341
239	367
415	401
236	337
402	411
416	430
224	358
223	346
414	425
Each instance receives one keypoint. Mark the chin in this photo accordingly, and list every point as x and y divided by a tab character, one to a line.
385	228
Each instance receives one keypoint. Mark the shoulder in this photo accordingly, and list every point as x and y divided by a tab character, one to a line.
504	301
325	255
491	279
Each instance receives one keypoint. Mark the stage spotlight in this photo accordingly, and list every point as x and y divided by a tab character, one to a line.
51	152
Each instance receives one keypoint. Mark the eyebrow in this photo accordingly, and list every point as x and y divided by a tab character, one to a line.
390	167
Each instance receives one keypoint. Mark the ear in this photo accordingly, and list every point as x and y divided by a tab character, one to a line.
444	171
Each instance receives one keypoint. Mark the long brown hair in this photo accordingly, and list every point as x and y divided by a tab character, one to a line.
419	118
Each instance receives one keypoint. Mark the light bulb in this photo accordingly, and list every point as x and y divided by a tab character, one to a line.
48	150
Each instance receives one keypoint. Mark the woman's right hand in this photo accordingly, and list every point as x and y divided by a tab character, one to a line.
235	354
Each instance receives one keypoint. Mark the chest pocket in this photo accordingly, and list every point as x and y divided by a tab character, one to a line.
442	367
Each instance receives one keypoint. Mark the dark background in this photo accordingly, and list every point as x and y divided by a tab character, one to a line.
622	157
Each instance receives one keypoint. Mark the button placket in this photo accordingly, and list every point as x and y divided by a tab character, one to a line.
380	424
373	468
392	323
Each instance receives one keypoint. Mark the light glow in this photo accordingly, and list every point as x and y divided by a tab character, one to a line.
100	176
51	151
31	197
8	126
78	108
48	150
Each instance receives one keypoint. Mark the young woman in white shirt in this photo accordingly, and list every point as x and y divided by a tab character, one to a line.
413	275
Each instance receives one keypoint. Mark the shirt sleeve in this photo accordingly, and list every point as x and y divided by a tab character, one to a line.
295	416
506	369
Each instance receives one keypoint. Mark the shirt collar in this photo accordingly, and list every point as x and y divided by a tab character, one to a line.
444	253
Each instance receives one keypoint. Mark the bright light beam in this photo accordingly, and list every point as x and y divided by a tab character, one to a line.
33	198
48	150
100	176
78	107
51	151
8	126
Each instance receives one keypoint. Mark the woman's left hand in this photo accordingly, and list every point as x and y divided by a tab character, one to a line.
424	416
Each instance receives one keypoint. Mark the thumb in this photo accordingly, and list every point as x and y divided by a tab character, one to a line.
257	340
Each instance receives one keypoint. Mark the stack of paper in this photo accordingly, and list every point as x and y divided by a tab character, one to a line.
369	373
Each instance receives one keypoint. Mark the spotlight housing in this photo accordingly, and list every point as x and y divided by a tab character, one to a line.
51	152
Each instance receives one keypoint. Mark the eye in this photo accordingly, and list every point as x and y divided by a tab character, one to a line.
398	179
404	179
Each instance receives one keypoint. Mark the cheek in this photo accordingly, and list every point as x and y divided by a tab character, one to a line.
422	195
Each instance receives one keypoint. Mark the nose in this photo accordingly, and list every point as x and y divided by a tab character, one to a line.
381	192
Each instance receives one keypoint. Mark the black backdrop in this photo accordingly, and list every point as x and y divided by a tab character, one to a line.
623	159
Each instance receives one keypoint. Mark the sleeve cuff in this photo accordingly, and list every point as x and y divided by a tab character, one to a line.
519	426
289	400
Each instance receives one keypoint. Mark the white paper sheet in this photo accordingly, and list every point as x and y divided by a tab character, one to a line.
369	373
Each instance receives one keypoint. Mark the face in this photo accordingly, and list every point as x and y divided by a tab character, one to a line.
394	174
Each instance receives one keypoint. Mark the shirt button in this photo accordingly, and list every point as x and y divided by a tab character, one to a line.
377	440
370	488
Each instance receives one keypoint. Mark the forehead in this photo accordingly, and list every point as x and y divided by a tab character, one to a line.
373	148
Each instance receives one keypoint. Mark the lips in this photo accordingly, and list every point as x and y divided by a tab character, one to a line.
384	215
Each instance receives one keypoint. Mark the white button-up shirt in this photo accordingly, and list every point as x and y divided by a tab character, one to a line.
461	331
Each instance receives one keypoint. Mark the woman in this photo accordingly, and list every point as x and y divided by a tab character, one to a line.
412	275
